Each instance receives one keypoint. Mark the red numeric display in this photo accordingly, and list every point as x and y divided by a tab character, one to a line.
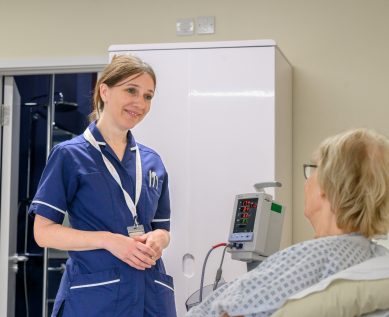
245	215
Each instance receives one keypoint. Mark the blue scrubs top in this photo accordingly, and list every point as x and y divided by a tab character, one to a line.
76	181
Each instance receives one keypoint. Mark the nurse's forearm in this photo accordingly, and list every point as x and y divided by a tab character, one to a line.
52	235
49	234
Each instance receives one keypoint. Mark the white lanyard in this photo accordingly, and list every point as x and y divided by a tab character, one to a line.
138	167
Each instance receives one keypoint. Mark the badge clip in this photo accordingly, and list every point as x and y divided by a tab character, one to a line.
136	229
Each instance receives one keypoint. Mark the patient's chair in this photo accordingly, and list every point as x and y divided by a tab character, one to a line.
362	290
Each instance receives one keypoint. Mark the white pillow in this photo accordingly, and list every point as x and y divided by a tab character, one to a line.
342	298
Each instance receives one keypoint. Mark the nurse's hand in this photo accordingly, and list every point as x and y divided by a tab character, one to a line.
157	240
133	252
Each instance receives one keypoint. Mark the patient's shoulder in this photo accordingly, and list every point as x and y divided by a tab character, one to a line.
334	252
330	243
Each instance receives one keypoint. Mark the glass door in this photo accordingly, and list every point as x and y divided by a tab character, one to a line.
40	111
54	109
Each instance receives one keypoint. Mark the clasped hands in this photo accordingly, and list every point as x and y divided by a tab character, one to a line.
140	252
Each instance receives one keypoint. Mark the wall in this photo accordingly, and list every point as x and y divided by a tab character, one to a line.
339	50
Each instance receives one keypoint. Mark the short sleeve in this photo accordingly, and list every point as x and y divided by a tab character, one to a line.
56	186
162	215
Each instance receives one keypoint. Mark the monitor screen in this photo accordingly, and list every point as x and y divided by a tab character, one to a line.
245	215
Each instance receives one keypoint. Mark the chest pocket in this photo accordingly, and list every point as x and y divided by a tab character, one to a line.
151	193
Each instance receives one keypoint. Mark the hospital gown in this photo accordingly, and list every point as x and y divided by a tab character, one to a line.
263	290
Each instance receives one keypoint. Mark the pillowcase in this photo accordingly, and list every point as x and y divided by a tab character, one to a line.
341	298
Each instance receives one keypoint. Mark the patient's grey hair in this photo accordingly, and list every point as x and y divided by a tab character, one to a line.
353	171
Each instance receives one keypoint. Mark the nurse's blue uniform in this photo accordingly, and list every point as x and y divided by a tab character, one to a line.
77	182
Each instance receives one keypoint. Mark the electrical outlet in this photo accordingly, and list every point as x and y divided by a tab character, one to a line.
205	25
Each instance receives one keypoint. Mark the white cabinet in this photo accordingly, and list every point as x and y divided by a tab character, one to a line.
222	121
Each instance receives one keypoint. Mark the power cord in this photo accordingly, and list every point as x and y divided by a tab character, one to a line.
219	271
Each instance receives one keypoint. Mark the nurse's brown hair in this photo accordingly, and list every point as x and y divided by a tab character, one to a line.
120	68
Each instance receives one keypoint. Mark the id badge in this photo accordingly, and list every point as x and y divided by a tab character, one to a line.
134	231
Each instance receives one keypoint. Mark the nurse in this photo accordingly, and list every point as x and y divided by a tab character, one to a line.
115	193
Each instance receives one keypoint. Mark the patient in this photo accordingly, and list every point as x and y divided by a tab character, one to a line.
347	203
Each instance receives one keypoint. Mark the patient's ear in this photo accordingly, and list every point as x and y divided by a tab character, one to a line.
322	194
325	200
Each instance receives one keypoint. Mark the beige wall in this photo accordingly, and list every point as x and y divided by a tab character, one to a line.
339	50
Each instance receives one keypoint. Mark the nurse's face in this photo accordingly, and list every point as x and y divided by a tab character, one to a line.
128	102
313	196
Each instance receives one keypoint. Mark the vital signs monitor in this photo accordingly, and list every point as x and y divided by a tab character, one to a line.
256	225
